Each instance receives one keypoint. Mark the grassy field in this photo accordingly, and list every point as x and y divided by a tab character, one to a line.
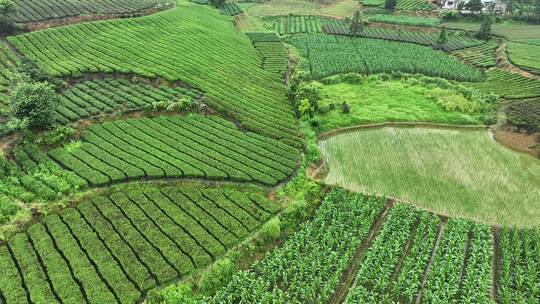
382	101
457	173
511	31
340	8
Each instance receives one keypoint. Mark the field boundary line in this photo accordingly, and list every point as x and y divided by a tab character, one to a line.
328	134
348	277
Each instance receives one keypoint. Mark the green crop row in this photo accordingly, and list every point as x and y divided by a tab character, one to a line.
329	55
7	61
293	24
405	5
510	85
456	40
519	266
309	266
525	56
34	11
92	98
184	38
113	248
481	56
524	114
382	259
404	20
172	147
275	58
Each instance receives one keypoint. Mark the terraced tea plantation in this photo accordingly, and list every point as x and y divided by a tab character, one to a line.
276	152
35	11
114	248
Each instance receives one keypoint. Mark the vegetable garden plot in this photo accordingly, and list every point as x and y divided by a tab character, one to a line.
524	114
456	40
193	44
308	268
405	5
175	147
34	11
519	266
7	62
481	56
510	85
272	52
230	9
113	249
329	55
96	97
525	56
404	20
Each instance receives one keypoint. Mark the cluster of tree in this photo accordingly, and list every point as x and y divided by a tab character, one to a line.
34	97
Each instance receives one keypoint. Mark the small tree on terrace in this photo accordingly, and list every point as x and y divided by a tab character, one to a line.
356	24
474	6
390	4
34	104
443	36
485	28
7	8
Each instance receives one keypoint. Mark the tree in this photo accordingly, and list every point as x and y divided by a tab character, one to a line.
485	28
390	4
537	8
443	36
217	3
356	24
7	8
474	6
34	104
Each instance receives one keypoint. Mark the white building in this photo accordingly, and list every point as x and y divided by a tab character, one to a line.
498	5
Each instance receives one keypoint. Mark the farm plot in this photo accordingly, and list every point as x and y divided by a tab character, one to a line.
230	9
394	265
114	248
456	40
194	44
292	24
337	8
404	20
524	114
510	85
525	56
34	11
329	55
404	5
7	63
308	268
520	266
481	56
96	97
175	147
443	170
272	52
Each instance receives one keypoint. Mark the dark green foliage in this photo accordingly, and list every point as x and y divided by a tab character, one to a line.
443	36
390	4
485	28
217	276
356	24
474	6
34	103
7	8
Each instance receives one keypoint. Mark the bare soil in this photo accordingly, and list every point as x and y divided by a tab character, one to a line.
517	141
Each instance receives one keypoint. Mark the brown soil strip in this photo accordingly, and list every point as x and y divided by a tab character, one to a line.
348	279
495	263
519	142
335	132
431	259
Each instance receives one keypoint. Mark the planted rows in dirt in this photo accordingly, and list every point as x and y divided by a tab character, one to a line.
114	248
293	24
455	41
193	44
525	114
92	98
329	55
34	11
510	85
308	268
407	260
481	56
174	147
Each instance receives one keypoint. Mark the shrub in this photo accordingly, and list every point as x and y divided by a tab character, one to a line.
58	135
272	229
217	276
345	108
34	103
177	294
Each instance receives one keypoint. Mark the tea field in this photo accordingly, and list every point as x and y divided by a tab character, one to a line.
283	151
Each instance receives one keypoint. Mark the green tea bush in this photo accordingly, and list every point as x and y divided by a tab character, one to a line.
217	276
272	229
